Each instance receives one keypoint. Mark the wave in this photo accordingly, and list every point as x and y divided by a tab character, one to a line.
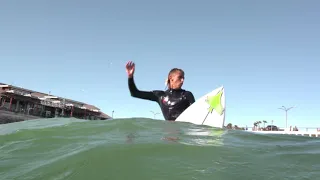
141	148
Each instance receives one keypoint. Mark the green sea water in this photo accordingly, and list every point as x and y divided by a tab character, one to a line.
56	149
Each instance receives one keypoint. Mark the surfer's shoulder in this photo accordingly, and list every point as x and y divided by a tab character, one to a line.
189	95
158	92
187	92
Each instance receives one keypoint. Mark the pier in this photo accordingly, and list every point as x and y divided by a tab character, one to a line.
24	103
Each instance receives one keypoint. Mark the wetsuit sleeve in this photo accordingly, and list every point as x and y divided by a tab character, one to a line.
190	97
135	92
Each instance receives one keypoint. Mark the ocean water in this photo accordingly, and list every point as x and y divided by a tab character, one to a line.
56	149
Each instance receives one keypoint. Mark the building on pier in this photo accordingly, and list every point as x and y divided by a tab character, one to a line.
32	103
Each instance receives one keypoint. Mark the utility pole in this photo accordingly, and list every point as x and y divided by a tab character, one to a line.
112	114
286	110
154	114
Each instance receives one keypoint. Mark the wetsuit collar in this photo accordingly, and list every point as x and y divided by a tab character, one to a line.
172	90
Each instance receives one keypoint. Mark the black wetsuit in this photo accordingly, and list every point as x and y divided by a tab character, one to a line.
172	102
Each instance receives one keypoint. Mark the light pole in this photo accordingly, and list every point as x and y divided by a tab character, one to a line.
112	114
154	114
286	110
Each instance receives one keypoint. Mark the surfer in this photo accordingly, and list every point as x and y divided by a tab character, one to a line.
172	101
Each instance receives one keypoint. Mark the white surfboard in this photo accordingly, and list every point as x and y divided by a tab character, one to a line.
208	110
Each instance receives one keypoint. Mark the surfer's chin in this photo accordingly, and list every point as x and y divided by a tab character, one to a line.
179	87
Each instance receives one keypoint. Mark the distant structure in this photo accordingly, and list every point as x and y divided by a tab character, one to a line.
20	103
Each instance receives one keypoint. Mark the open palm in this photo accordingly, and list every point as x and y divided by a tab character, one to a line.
130	66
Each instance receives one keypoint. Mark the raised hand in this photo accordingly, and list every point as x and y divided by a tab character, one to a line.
130	66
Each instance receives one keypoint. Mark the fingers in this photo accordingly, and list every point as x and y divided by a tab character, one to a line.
130	64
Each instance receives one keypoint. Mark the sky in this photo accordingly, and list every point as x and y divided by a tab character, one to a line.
264	53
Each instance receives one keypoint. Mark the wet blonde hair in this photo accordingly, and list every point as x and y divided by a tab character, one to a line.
174	70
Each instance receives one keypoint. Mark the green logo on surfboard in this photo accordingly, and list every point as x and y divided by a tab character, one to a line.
215	103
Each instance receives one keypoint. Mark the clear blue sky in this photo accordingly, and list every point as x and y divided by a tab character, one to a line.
265	53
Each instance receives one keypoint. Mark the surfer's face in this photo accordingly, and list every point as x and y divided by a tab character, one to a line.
176	80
